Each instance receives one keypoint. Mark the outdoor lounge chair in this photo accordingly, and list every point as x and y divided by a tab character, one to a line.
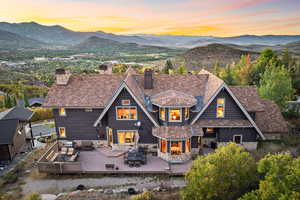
70	151
87	145
74	157
64	150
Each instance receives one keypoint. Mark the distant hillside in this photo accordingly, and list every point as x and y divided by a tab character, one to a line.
9	41
111	47
58	35
207	56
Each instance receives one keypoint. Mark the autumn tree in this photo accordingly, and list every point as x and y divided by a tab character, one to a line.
224	175
276	85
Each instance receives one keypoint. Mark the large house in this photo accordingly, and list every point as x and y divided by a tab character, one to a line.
174	115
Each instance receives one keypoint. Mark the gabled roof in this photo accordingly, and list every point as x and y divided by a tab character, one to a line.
32	101
173	98
17	112
84	91
248	97
130	85
173	132
8	128
270	119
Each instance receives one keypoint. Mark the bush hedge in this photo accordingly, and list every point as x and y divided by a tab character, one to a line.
41	114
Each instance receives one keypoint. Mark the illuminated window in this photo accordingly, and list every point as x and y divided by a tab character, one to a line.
162	113
163	146
62	132
176	147
126	137
175	115
220	107
237	139
187	113
62	112
126	113
88	110
188	146
126	102
210	130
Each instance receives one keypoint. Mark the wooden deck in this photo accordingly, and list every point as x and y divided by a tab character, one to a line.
93	162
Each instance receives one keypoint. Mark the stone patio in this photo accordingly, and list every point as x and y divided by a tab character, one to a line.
94	162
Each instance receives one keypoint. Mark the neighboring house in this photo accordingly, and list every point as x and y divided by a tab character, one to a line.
15	132
175	115
33	102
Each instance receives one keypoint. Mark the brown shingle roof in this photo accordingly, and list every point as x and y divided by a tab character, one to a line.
270	120
83	91
189	84
173	132
173	98
248	97
222	122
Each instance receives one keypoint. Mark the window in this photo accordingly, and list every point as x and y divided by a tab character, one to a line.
210	130
187	113
62	132
163	146
162	114
126	137
126	113
220	107
125	102
237	139
176	147
175	115
188	146
88	110
62	112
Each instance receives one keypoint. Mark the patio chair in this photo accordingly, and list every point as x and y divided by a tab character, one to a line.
74	157
70	151
64	150
87	145
109	166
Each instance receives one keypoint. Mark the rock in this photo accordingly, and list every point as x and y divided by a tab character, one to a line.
61	194
74	193
80	187
156	189
108	191
48	196
91	190
145	190
123	190
101	190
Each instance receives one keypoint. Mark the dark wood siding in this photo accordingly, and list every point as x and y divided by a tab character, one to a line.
232	110
226	134
194	141
4	153
145	131
79	124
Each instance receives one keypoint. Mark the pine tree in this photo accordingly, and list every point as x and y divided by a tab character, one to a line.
168	66
26	101
276	84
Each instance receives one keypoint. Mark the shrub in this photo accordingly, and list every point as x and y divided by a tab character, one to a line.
10	177
143	196
225	175
42	114
33	196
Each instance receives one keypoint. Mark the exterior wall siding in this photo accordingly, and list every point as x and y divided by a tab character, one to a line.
79	124
19	141
145	130
232	110
226	134
4	153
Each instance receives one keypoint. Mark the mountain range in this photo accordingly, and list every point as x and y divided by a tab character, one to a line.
34	35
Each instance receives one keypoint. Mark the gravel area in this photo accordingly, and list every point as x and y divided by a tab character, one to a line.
56	186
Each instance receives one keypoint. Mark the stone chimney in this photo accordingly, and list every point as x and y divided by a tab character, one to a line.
148	79
62	76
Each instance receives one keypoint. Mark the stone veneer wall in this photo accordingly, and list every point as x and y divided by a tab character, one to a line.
174	158
250	146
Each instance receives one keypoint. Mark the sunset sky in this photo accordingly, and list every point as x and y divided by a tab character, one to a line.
178	17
